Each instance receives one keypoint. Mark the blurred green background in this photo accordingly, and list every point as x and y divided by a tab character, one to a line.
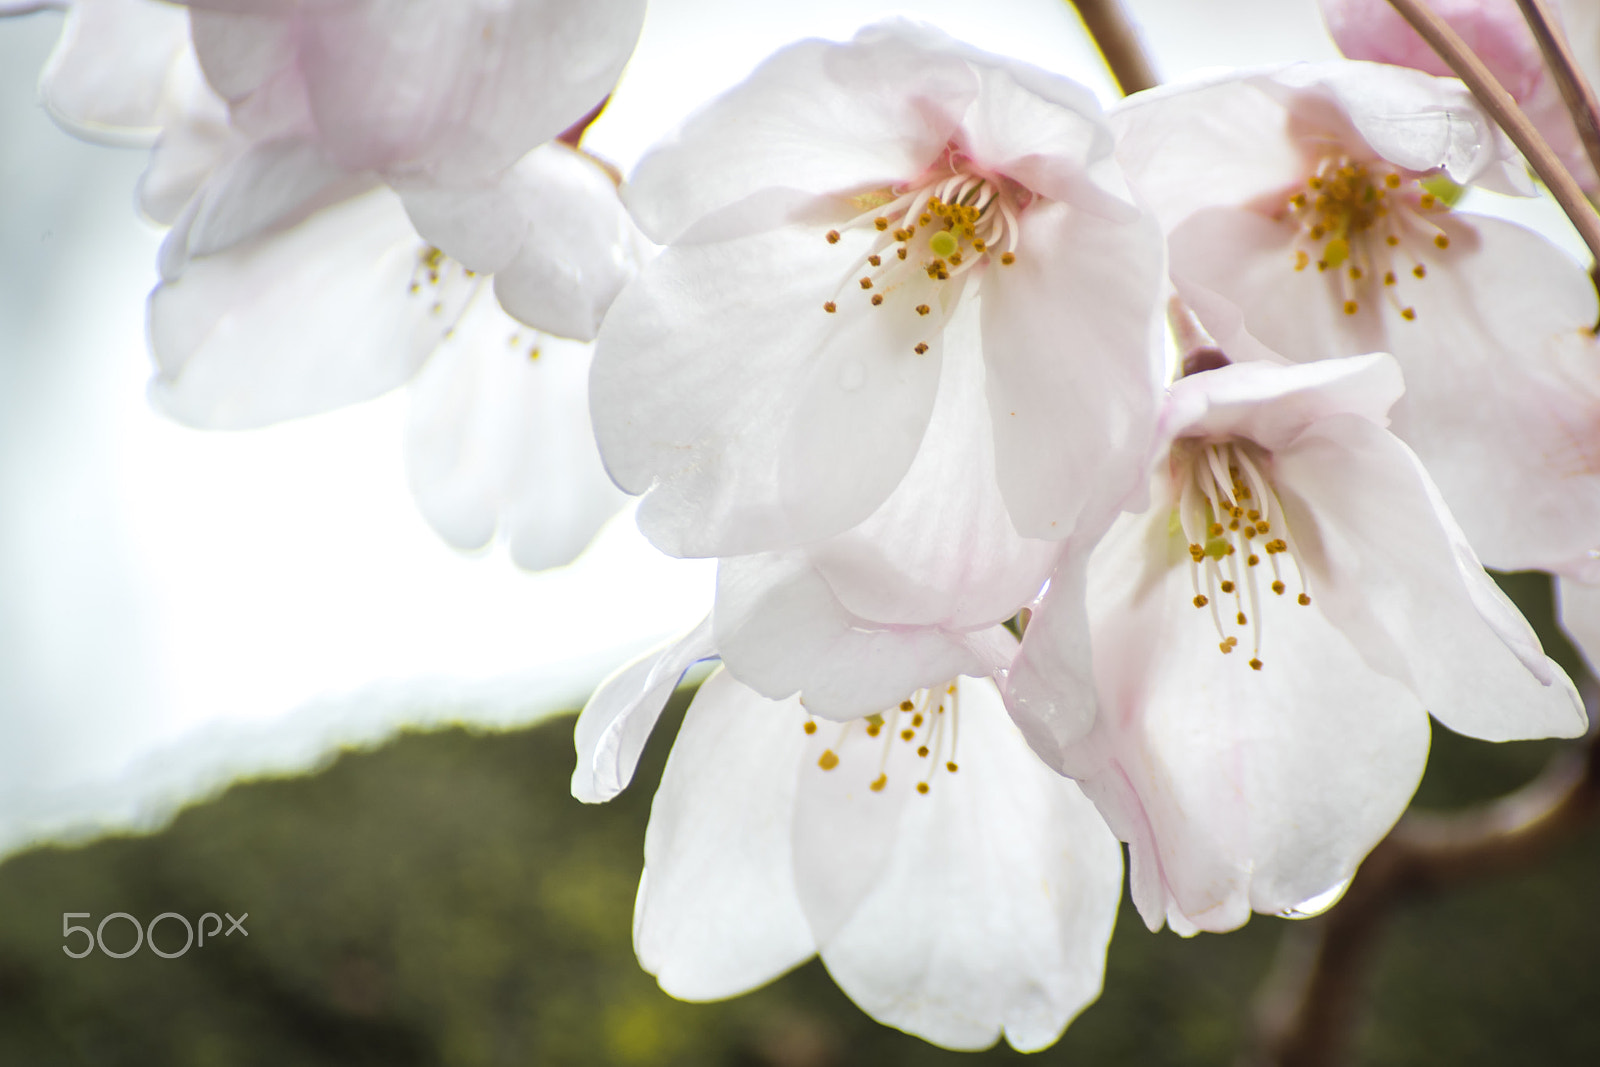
443	900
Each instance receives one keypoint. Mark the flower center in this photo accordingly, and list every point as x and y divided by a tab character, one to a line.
1231	517
1367	225
927	239
928	719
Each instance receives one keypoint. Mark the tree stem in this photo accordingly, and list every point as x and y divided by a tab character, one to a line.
1575	89
1118	40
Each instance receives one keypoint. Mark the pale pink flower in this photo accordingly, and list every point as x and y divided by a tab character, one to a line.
847	227
952	884
1309	214
1269	639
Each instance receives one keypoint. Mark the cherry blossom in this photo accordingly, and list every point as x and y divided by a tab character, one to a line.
1269	639
952	884
844	229
1310	216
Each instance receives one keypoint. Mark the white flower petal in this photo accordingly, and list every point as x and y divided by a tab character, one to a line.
498	437
1071	344
1386	569
747	435
244	44
818	118
717	913
1189	146
617	721
552	231
299	322
107	79
942	550
451	91
781	630
993	904
1259	401
271	185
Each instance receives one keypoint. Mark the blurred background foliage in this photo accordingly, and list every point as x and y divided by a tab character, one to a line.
443	900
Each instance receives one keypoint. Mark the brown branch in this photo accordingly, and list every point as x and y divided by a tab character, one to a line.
1575	89
1504	110
1118	40
1308	1005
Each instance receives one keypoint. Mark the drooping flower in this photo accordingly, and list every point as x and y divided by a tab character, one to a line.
1269	638
351	303
1495	31
845	227
295	281
953	885
1309	212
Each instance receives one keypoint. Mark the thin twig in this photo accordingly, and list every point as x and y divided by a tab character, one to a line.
1575	88
1118	40
1307	1007
1504	110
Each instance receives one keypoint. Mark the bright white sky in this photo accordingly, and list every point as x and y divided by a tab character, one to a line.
177	608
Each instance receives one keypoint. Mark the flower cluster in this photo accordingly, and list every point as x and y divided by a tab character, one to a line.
884	331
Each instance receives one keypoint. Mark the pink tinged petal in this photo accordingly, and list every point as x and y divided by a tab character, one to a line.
994	897
1389	568
107	79
751	417
1189	147
717	913
1501	313
498	438
1071	343
552	231
817	118
457	90
1494	29
1272	407
942	549
1237	789
781	630
300	322
244	46
617	721
1049	135
272	185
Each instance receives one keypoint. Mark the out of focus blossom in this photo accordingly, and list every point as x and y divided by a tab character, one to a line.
1310	217
952	884
1269	639
847	228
